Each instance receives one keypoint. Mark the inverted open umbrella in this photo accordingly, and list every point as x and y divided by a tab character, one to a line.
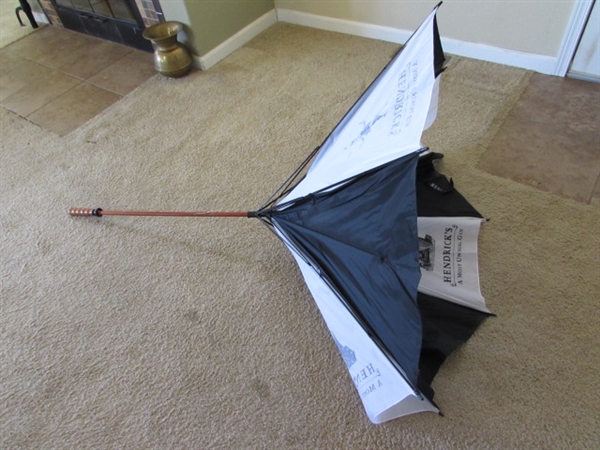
348	215
449	298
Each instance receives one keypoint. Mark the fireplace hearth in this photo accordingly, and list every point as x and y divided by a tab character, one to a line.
120	21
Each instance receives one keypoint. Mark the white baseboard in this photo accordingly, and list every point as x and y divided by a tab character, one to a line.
344	26
539	63
589	77
227	47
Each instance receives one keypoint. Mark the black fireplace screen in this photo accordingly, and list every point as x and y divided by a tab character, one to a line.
114	20
116	9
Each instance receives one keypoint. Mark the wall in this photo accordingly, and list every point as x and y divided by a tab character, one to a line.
531	32
209	23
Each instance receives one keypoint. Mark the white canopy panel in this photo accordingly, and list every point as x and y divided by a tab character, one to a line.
385	123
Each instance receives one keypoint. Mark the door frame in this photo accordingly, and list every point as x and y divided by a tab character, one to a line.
575	28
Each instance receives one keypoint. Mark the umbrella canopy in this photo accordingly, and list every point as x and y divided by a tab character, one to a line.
387	121
449	299
357	248
386	245
351	224
448	231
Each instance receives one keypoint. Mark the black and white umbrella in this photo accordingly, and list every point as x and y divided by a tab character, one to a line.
373	227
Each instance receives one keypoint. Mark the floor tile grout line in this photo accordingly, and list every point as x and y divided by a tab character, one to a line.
53	99
3	102
7	48
79	81
22	116
67	73
110	65
594	189
104	89
46	66
58	97
121	96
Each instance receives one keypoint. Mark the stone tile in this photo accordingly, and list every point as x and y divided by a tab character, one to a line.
544	156
30	46
74	53
72	109
51	46
551	139
565	102
17	72
39	85
41	76
127	73
8	60
86	61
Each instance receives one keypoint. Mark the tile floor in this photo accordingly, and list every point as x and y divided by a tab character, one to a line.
551	139
60	79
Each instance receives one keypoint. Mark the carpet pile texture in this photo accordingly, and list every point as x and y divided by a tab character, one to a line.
167	333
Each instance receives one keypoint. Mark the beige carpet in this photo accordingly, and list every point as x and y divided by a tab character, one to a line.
200	334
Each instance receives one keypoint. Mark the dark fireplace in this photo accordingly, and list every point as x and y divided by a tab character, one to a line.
118	21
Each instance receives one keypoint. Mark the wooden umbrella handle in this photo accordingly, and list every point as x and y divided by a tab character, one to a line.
87	212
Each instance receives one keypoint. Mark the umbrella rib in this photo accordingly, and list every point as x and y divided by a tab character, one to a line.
323	275
286	186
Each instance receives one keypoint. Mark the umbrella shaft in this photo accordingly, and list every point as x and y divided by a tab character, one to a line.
174	214
100	212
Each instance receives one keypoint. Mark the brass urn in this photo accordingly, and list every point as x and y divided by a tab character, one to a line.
171	58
